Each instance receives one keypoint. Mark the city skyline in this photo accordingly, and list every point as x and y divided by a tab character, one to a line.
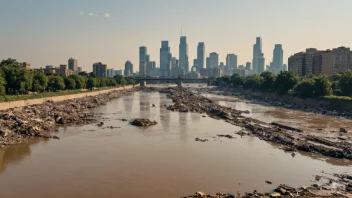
92	32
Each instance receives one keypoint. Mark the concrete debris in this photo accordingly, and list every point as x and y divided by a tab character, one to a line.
18	125
201	140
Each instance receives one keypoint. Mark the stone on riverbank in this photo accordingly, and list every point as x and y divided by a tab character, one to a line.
143	122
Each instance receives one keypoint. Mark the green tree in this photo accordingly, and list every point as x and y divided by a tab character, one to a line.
322	86
40	81
70	83
18	79
252	82
91	83
237	80
83	74
81	81
120	80
130	81
269	81
56	83
10	62
285	81
2	83
91	74
111	82
305	88
345	83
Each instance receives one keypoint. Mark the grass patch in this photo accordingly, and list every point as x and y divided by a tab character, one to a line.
340	98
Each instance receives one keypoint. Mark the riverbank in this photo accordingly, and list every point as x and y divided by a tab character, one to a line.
325	106
40	117
59	97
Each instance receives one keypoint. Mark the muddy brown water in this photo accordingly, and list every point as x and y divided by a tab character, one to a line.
159	161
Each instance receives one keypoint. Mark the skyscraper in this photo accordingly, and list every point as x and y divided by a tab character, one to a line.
72	64
100	69
257	51
128	68
165	58
248	66
213	60
183	53
278	57
231	62
200	56
260	63
143	61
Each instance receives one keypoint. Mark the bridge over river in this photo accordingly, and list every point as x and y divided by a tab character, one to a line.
178	80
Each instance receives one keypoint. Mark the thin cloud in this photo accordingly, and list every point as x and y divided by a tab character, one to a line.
91	14
81	13
107	15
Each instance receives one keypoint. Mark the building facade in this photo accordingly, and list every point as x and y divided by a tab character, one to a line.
231	63
183	54
73	64
200	56
165	58
128	68
100	69
213	60
257	53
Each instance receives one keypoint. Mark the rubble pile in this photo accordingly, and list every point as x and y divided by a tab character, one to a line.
143	122
23	124
186	100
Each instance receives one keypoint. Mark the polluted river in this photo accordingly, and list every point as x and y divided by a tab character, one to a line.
165	160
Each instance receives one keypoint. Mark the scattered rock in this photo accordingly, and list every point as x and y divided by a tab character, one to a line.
100	124
143	122
343	130
226	136
201	140
268	182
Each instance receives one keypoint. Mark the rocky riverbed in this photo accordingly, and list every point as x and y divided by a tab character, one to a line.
292	139
18	125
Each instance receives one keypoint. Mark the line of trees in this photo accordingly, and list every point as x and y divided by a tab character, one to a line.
15	79
287	82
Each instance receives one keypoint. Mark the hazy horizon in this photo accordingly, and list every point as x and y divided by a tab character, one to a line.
49	33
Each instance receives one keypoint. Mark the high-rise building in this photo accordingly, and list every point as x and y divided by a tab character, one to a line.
174	62
336	61
79	70
143	69
143	56
248	65
183	54
72	64
207	63
165	58
231	63
128	68
257	51
100	69
278	58
261	63
213	60
200	56
296	63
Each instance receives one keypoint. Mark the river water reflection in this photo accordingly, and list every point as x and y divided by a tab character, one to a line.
159	161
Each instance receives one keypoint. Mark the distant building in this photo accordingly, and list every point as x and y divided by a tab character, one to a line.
248	66
143	69
183	54
73	64
27	65
63	70
112	73
100	69
257	53
278	57
260	64
313	61
165	58
79	70
200	56
128	69
231	63
215	72
174	63
49	69
213	60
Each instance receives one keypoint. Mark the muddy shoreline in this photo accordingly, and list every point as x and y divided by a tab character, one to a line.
24	124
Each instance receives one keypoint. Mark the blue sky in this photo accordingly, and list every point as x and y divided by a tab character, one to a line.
48	32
